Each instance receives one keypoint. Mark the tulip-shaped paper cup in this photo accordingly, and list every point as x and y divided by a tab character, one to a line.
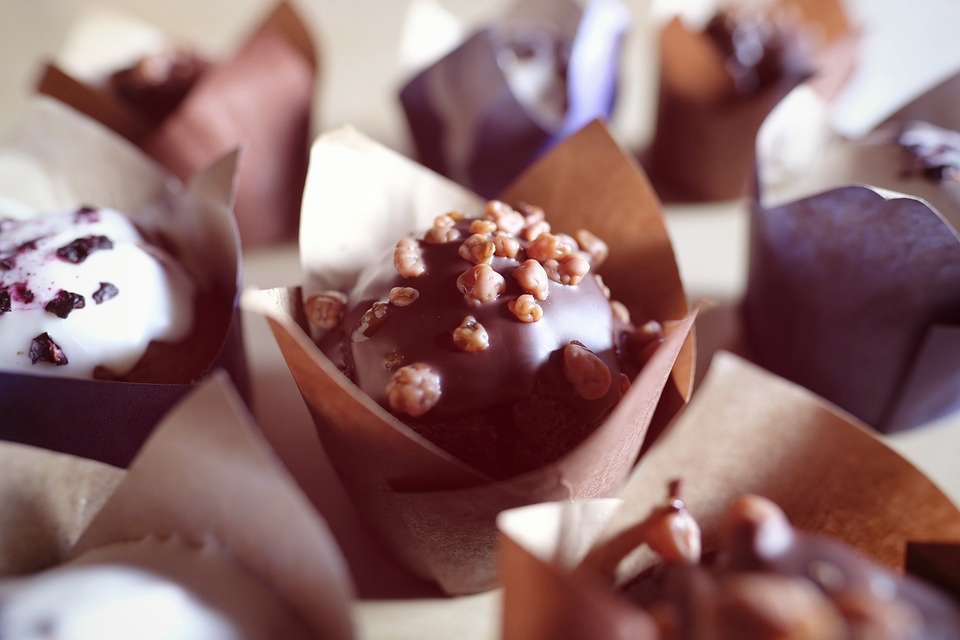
433	509
485	111
190	529
718	84
186	111
745	432
104	327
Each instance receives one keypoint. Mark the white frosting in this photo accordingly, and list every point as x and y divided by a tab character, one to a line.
154	299
107	602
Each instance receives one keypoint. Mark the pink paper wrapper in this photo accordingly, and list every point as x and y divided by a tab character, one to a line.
88	165
746	431
259	98
435	512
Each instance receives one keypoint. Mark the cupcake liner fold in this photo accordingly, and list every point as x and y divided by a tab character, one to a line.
190	530
56	159
845	289
937	105
208	479
746	431
232	102
468	120
435	512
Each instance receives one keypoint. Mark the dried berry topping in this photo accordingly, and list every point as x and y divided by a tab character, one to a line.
65	302
29	245
6	304
86	214
44	349
22	293
7	263
81	248
105	292
932	152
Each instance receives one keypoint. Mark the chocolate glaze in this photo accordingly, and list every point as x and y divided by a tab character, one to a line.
865	595
520	356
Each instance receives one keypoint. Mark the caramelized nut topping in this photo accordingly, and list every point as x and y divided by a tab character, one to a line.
526	308
531	212
547	246
441	235
477	249
408	258
403	296
325	309
393	360
594	246
620	311
443	221
569	269
584	369
470	336
483	227
506	218
505	246
532	277
481	283
413	389
535	230
371	321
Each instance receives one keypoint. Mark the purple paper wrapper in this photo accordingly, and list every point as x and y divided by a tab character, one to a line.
467	120
109	420
843	288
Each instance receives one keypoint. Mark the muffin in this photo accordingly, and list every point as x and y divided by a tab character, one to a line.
83	295
770	581
491	336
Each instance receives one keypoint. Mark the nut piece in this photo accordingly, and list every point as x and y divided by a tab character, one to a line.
393	360
506	218
568	269
325	309
526	308
532	277
531	212
371	322
470	336
548	246
477	249
594	246
673	534
403	296
481	283
413	389
441	235
408	258
536	229
483	227
584	369
505	246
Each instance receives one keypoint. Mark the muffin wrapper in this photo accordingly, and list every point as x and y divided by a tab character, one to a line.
207	481
435	512
703	144
465	120
746	431
853	293
936	106
234	102
107	420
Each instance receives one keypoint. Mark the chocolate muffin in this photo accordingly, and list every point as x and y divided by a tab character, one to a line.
491	337
771	581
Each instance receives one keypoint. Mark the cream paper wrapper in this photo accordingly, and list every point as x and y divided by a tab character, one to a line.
56	159
260	97
745	431
208	478
435	512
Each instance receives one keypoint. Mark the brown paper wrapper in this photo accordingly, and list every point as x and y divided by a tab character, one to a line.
48	500
232	103
435	512
936	106
208	477
703	147
746	431
55	159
